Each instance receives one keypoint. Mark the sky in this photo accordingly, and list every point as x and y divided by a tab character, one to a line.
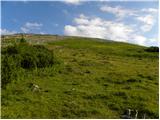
127	21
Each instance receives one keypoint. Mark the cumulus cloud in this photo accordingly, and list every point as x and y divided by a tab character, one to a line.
118	11
147	16
150	10
33	25
25	30
99	28
148	21
73	2
122	12
81	20
6	32
29	26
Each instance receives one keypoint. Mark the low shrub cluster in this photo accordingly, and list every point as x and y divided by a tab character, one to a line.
24	56
152	49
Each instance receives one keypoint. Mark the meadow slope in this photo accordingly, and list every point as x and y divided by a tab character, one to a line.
93	79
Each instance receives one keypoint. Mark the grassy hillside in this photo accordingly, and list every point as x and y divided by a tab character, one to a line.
92	79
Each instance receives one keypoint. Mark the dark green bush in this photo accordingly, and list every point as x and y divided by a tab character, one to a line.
24	56
28	60
23	40
8	69
10	50
152	49
44	57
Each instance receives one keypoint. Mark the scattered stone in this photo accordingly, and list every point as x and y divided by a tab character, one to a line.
136	114
130	114
35	88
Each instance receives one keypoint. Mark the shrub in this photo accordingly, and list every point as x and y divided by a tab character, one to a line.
10	50
28	61
44	57
152	49
24	56
23	40
8	68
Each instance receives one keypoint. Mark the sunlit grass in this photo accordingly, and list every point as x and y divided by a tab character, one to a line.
95	79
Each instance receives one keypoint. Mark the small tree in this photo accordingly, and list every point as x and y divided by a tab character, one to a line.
23	40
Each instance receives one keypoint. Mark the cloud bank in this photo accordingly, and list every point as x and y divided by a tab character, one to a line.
116	29
72	2
29	26
6	32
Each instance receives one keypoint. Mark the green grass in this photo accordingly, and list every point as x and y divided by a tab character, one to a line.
95	79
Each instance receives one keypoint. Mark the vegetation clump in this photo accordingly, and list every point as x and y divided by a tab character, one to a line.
24	56
23	40
152	49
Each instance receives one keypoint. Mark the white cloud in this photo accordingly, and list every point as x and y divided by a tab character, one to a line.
43	33
25	30
99	28
148	22
33	25
146	28
29	26
148	19
118	11
146	16
150	10
73	2
81	20
138	39
6	32
122	12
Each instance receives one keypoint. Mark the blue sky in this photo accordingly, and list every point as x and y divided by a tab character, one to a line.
133	22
